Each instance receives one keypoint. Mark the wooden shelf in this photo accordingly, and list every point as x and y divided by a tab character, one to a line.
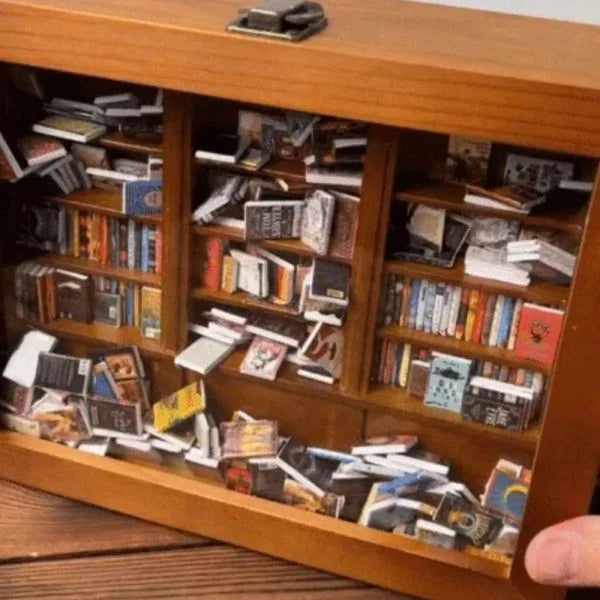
117	141
398	399
245	301
293	246
99	333
287	377
543	293
92	267
100	201
451	345
289	170
450	196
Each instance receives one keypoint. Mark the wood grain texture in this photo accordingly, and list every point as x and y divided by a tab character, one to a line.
514	79
36	525
212	572
380	558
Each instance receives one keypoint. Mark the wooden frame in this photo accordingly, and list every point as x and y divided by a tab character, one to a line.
439	80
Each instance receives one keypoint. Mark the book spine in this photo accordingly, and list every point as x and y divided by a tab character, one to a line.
514	326
83	235
144	261
387	306
383	354
214	260
462	315
438	303
398	289
505	321
138	246
405	366
448	292
152	248
388	365
423	292
76	234
159	250
479	318
123	243
471	313
454	310
429	304
495	329
406	291
131	244
414	303
395	365
488	318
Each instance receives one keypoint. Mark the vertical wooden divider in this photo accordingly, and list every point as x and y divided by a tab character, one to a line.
177	157
377	191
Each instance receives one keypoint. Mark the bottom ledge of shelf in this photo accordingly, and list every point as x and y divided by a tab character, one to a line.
146	491
399	400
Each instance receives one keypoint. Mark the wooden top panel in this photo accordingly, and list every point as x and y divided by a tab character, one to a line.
514	79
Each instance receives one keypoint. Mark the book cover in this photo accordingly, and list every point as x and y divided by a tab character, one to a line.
507	490
438	307
447	382
325	347
73	296
247	439
61	372
107	308
539	174
142	197
211	275
330	281
502	415
471	313
150	312
69	128
539	333
271	220
179	406
124	363
204	355
418	378
113	416
467	160
263	359
317	220
505	322
252	273
317	469
455	300
39	149
67	423
345	225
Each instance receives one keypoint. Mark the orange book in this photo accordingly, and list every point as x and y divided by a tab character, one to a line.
471	312
211	277
462	314
405	302
75	245
479	318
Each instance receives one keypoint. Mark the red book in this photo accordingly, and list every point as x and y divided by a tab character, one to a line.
212	266
479	317
539	333
159	250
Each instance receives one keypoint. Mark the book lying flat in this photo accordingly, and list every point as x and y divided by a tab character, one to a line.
203	355
68	128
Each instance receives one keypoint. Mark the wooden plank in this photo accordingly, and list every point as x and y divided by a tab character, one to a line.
117	141
380	558
37	525
531	80
210	572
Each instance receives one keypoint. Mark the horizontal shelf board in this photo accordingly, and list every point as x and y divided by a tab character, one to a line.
31	461
101	333
287	377
92	267
543	293
451	345
117	141
399	399
276	168
100	201
244	301
293	246
450	196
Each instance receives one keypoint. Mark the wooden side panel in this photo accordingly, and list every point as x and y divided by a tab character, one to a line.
568	458
377	190
321	542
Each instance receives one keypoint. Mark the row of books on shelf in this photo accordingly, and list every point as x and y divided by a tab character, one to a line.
311	285
44	294
530	330
479	390
100	405
317	350
325	221
110	241
332	150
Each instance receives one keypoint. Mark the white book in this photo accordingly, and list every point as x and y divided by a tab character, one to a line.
202	430
194	455
378	470
165	446
435	528
497	318
74	105
454	310
174	440
349	142
514	326
417	464
123	112
238	336
325	176
502	387
577	186
96	446
498	275
253	276
331	454
228	316
437	312
384	462
22	364
109	433
317	374
446	305
301	479
141	446
116	176
404	365
151	109
111	99
203	355
421	305
489	203
209	333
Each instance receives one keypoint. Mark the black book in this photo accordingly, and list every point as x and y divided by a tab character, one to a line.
64	373
330	282
267	480
109	415
316	469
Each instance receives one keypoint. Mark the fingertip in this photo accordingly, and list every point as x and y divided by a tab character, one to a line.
551	558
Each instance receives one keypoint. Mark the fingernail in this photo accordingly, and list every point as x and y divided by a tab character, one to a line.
556	560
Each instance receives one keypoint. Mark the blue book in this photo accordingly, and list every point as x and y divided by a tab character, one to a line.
145	248
505	322
142	197
429	306
130	307
414	303
448	381
101	385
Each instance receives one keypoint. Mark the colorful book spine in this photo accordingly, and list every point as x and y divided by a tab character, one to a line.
471	313
454	310
514	327
495	329
479	317
437	308
446	309
423	293
414	303
505	321
406	292
488	318
429	305
462	315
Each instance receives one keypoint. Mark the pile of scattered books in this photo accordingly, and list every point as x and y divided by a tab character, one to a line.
44	294
100	405
479	390
332	150
317	351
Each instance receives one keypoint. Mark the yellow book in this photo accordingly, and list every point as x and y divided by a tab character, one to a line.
230	274
179	406
137	301
75	239
470	324
150	312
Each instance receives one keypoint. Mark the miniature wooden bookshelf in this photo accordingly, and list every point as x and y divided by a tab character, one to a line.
437	81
